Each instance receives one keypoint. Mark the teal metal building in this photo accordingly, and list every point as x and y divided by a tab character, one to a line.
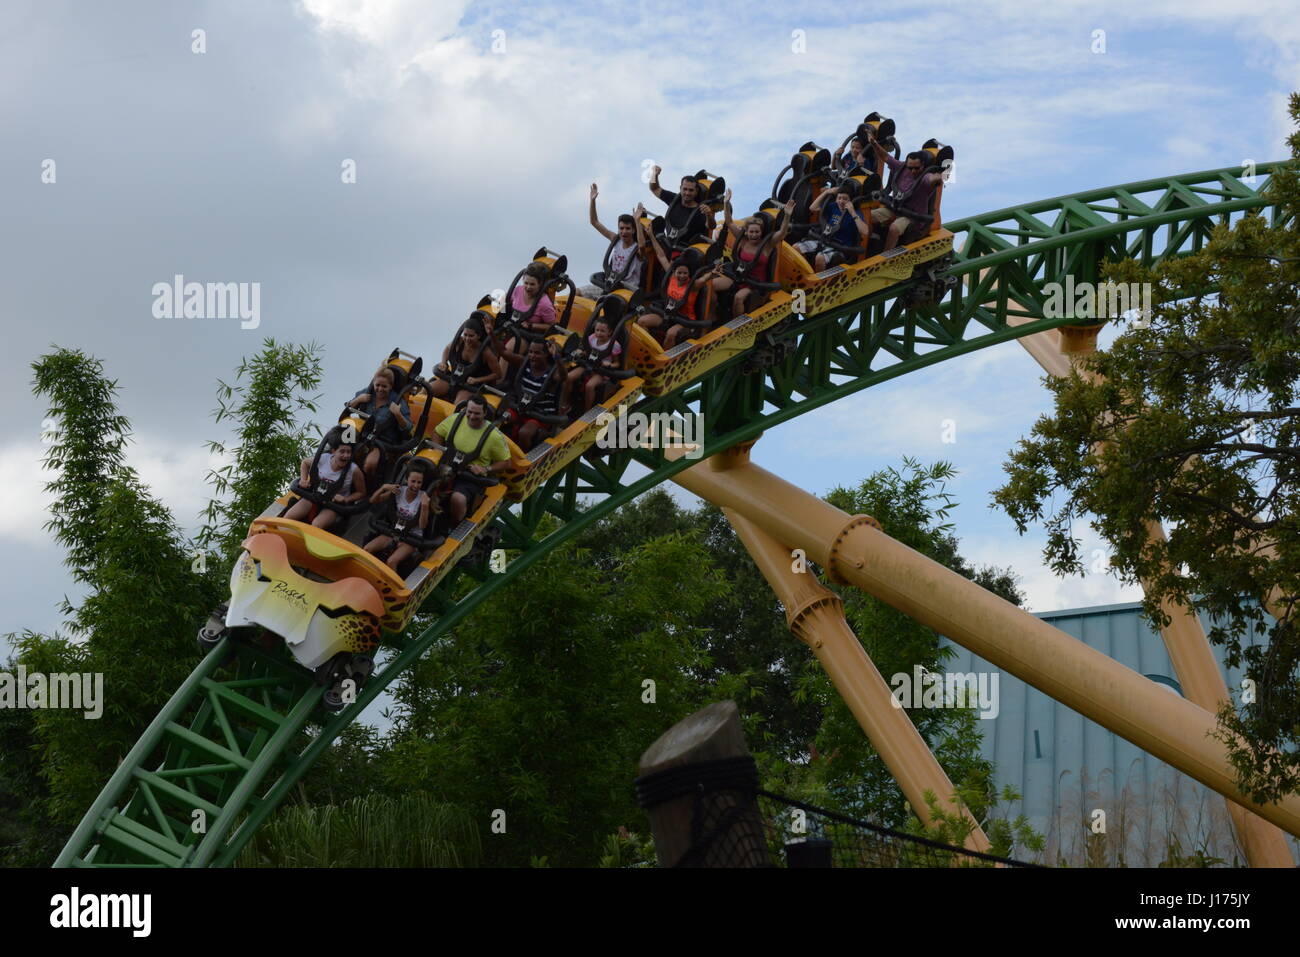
1068	768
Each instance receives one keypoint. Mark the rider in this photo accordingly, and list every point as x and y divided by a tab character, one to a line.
857	163
840	223
535	378
624	258
598	344
493	457
915	187
681	289
755	252
480	362
527	294
391	415
685	221
336	468
408	506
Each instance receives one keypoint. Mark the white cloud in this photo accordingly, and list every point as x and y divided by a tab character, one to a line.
1043	589
23	506
174	475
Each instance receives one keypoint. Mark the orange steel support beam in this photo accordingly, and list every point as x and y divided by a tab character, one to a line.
853	550
815	615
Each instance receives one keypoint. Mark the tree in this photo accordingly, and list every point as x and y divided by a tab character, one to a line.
136	624
26	839
1194	422
533	713
145	596
275	433
750	655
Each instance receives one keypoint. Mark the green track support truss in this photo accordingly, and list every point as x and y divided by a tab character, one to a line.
225	750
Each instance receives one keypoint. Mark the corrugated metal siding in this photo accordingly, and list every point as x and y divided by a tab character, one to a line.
1066	766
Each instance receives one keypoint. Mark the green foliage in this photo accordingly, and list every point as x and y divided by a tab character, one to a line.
346	770
273	415
1198	857
749	654
85	440
138	618
1194	422
537	704
413	830
1012	838
144	599
629	849
25	839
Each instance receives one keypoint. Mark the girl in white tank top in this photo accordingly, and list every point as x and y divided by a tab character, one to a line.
329	474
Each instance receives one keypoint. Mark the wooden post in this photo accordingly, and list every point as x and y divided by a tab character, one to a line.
687	752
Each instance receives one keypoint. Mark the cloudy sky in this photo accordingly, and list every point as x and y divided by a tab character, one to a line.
475	131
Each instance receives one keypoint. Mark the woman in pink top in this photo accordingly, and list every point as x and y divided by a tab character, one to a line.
532	308
529	294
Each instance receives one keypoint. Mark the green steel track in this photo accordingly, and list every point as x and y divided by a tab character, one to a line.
225	750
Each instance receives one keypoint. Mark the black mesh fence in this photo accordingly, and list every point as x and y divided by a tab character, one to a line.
734	823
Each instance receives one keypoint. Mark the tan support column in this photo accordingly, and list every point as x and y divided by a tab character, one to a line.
1189	649
816	617
1118	698
1202	682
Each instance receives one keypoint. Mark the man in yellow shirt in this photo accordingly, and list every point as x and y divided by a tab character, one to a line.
494	456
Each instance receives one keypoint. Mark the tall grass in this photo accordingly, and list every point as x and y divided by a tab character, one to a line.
413	830
1172	822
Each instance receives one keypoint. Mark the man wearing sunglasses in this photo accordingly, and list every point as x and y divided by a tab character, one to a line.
912	189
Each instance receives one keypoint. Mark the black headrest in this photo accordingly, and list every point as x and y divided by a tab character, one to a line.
691	259
609	307
943	152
